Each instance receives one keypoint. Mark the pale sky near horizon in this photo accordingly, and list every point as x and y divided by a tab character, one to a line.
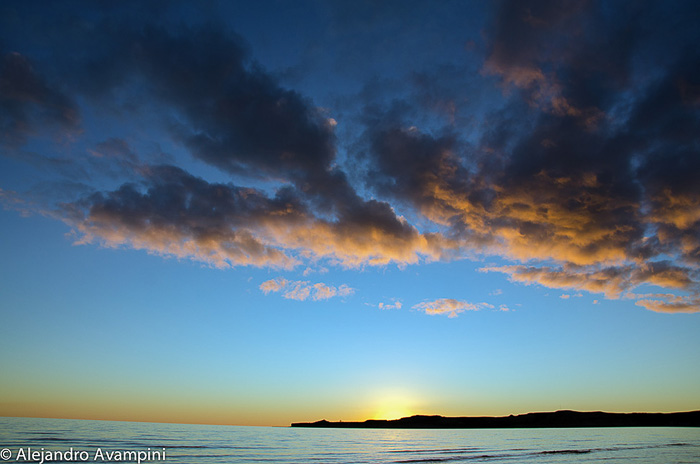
261	214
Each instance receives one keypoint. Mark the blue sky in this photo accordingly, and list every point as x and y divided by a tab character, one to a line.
259	214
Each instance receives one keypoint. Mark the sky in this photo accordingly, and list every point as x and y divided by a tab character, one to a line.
258	213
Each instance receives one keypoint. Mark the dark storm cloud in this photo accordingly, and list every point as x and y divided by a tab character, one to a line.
200	83
200	79
240	120
238	116
175	213
227	110
29	104
179	214
596	171
117	159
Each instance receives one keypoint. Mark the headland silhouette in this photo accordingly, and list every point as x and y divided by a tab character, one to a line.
558	419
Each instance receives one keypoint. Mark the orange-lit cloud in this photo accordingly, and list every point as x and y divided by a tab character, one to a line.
673	304
613	283
225	226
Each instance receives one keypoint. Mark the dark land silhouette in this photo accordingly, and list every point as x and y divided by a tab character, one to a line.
558	419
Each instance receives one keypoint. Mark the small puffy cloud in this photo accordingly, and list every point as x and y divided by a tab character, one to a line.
449	307
395	305
274	285
297	291
302	290
322	291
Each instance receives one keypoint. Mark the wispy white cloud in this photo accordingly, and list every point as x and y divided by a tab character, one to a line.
566	296
395	305
449	307
302	290
310	270
274	285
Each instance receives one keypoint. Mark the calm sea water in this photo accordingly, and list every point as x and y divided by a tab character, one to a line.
202	444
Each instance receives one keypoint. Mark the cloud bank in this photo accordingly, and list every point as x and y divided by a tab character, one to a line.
582	174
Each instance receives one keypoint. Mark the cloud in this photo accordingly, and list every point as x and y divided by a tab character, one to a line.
174	213
201	85
395	305
309	271
585	176
528	42
274	285
29	104
187	217
612	282
568	218
581	171
303	290
449	307
674	304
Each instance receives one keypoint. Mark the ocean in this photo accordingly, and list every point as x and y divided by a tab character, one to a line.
61	440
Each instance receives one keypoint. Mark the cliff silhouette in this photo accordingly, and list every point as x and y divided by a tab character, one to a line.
558	419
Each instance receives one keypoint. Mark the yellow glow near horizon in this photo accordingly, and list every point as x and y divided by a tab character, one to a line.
393	413
393	405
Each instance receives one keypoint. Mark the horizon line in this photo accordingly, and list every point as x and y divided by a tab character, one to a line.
135	421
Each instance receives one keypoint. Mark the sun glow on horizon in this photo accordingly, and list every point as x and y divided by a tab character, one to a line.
393	405
392	413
